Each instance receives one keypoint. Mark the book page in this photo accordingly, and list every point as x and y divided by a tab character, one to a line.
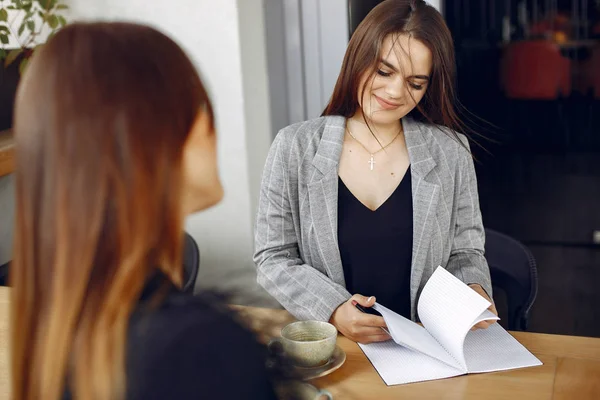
399	365
494	349
412	335
487	315
448	308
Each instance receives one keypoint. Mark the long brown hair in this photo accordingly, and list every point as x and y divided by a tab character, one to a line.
101	118
422	22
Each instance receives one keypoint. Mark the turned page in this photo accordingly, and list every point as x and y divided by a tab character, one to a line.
413	336
448	309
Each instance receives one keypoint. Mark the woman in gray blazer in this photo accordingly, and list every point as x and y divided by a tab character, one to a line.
367	200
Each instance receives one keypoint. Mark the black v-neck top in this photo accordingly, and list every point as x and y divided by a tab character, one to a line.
376	246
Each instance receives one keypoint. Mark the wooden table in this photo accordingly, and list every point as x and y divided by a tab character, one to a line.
7	153
571	368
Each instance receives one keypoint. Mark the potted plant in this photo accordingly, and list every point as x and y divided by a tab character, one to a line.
24	26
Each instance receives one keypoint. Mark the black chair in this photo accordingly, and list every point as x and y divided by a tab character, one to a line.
191	263
4	274
513	270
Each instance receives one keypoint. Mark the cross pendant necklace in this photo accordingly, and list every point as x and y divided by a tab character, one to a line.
371	161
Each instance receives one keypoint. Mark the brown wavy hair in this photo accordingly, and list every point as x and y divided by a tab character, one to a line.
422	22
102	115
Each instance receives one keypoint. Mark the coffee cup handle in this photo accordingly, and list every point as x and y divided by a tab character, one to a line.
275	346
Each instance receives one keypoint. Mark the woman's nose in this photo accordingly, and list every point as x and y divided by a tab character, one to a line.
395	89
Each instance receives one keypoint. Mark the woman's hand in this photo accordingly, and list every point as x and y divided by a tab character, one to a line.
356	325
484	324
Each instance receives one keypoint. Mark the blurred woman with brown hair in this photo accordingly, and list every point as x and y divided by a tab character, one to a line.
115	146
366	201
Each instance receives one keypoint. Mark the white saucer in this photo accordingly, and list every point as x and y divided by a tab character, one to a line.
335	362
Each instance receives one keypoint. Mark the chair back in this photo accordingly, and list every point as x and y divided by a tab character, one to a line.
535	70
4	274
191	263
591	71
513	270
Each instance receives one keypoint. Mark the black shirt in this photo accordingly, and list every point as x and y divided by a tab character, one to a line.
191	348
376	246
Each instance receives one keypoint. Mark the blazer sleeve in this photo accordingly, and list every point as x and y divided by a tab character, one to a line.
467	261
302	289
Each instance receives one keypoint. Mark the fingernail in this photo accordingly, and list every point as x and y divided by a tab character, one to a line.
354	302
369	299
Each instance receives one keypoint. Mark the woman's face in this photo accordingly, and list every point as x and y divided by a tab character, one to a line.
202	186
400	81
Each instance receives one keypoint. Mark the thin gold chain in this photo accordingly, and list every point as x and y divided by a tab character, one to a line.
367	150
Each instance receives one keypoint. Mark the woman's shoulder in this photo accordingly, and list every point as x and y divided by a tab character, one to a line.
443	141
308	132
180	313
190	346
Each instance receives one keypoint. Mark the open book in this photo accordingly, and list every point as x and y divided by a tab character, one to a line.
444	346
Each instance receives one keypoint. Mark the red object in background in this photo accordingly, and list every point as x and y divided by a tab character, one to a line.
535	70
547	27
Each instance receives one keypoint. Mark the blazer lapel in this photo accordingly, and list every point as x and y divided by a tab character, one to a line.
425	198
323	196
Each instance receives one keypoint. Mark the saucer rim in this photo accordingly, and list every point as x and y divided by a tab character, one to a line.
304	373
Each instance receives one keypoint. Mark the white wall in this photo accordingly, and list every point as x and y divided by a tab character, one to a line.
251	17
306	42
436	3
228	48
324	42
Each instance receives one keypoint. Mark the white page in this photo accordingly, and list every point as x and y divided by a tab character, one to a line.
398	365
494	349
448	308
487	315
412	335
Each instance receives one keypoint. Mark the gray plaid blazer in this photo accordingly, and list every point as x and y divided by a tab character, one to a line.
296	248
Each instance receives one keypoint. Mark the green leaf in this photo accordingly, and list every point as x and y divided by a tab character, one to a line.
3	38
23	65
12	56
62	20
28	15
4	29
3	54
41	15
53	21
11	8
27	7
21	29
47	4
3	15
31	25
62	7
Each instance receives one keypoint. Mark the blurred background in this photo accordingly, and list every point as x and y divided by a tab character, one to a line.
528	74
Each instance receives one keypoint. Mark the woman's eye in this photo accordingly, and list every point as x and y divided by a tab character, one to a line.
416	87
383	73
